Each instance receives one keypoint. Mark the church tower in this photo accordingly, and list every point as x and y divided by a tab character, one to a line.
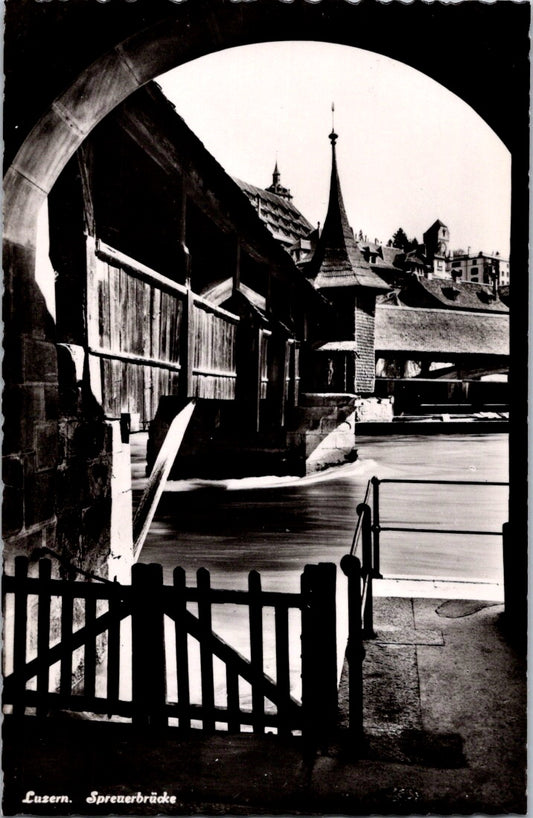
339	269
436	239
276	186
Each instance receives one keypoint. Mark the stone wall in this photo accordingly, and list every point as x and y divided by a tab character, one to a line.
30	408
365	365
64	463
373	410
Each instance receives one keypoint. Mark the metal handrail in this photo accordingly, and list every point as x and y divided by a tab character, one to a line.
441	482
377	527
360	573
414	529
359	524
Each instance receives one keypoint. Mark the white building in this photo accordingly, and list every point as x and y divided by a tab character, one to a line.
481	268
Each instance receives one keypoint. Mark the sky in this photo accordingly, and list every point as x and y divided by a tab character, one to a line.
409	151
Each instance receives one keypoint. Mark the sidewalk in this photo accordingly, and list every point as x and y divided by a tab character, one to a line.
445	721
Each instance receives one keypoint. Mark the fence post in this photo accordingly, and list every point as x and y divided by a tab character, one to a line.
367	572
182	647
203	582
319	654
19	634
148	646
256	649
43	634
355	652
376	529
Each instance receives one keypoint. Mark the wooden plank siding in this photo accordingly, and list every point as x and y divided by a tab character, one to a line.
213	370
153	336
264	335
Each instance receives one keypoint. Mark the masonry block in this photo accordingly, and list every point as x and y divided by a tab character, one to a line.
23	406
89	439
49	535
39	361
39	496
46	445
51	401
25	308
13	496
96	534
68	533
24	544
99	479
71	485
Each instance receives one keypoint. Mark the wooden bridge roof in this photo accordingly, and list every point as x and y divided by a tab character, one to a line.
280	215
437	332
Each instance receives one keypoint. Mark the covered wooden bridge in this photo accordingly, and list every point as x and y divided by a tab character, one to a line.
436	357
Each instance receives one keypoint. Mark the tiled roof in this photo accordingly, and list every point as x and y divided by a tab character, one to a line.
449	294
381	257
440	332
282	218
338	261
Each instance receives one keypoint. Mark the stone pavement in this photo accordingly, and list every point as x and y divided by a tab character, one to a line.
445	721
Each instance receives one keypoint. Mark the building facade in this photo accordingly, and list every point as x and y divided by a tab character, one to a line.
484	268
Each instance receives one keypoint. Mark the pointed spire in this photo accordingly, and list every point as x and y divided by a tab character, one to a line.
338	261
337	231
276	186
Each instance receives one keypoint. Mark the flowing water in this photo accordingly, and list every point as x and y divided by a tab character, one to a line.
277	525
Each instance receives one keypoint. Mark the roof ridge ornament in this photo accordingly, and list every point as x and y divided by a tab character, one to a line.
333	136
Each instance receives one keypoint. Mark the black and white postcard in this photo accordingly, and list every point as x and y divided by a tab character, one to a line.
265	406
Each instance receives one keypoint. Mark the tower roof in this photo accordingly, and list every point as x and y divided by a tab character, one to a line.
276	186
338	262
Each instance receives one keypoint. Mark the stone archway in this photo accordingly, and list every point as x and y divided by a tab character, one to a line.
68	65
168	35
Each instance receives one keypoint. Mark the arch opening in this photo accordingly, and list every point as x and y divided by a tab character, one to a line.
130	56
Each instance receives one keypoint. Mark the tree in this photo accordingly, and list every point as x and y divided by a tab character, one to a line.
400	239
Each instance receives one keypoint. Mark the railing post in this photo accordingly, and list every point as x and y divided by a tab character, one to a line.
319	654
376	570
515	578
367	571
148	646
355	652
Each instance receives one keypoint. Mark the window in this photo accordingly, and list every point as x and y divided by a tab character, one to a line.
474	271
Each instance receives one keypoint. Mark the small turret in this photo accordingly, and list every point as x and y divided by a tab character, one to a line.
276	186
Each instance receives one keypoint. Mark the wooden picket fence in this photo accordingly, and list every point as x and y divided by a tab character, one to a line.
77	646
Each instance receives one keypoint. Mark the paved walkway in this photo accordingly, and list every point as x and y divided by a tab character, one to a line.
444	718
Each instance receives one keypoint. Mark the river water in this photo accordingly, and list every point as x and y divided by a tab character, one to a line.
277	525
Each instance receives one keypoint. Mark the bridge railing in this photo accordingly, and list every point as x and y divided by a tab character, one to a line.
358	567
378	528
362	565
